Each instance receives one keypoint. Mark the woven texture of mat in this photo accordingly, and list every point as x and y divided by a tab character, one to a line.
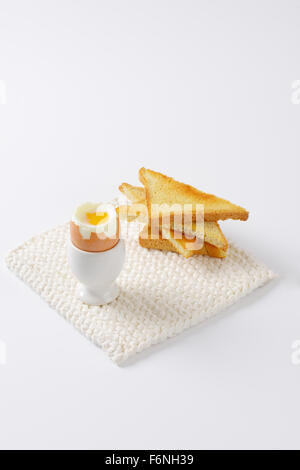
162	294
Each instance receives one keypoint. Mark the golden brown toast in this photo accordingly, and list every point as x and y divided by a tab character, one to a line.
161	245
211	230
161	189
178	246
133	193
184	247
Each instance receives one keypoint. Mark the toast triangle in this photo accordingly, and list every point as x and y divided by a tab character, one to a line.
161	189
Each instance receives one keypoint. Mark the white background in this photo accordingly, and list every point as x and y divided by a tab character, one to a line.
200	90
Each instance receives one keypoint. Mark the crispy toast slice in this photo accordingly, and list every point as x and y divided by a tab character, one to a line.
161	189
178	246
161	245
211	230
133	193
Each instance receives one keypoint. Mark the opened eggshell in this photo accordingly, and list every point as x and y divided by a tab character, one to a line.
96	243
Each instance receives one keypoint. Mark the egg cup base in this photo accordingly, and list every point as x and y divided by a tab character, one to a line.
96	297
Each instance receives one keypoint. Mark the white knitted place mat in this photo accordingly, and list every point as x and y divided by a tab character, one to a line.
162	294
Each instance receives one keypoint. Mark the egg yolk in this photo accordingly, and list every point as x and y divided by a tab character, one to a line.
95	218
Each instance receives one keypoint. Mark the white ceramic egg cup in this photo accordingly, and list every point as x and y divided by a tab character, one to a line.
97	273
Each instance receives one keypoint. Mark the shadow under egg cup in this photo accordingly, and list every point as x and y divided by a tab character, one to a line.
97	273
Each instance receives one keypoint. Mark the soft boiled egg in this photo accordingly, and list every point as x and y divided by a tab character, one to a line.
95	227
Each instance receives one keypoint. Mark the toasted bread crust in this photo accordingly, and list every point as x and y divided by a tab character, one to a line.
163	189
215	252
